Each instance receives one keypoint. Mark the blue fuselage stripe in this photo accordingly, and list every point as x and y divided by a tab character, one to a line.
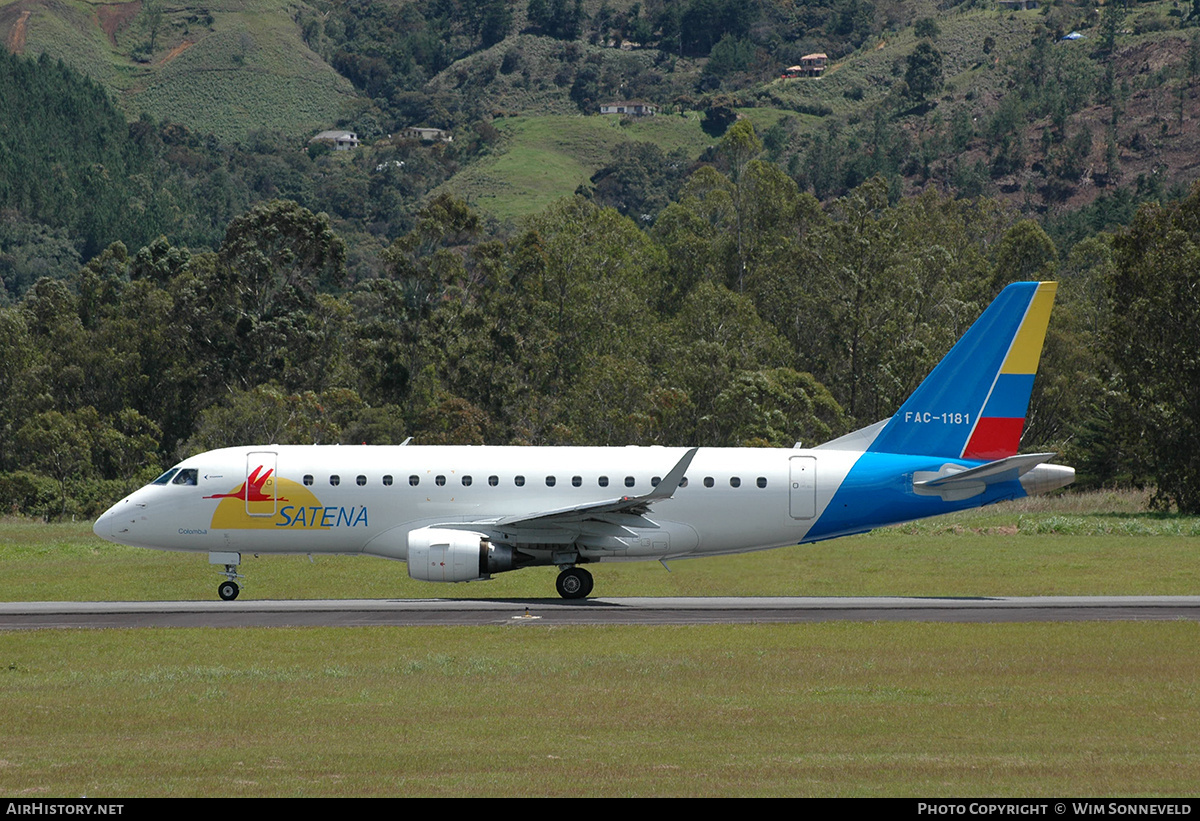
878	491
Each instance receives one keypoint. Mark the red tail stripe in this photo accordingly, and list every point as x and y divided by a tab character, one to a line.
994	438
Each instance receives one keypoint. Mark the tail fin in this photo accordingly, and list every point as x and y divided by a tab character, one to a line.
973	404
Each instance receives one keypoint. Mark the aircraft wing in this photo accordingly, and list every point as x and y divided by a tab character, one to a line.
633	505
572	519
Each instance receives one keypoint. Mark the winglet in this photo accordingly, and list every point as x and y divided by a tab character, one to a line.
634	505
973	404
670	483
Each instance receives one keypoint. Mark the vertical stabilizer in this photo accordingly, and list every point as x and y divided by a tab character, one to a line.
973	405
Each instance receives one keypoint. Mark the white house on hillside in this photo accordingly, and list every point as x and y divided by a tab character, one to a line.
427	135
340	140
634	109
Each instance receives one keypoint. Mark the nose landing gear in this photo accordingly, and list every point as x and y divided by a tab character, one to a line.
228	590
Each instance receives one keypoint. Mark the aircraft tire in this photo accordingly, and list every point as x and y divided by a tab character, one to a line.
228	591
574	583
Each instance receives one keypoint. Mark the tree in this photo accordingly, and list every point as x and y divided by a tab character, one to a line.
282	253
729	56
927	28
719	114
1026	253
58	446
1111	20
274	261
640	180
266	414
1155	333
738	147
563	19
715	335
494	23
923	74
778	407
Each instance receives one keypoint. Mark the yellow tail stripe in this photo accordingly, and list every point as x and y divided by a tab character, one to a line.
1027	347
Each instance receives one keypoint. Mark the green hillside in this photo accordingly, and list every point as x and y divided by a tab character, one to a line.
228	67
545	158
542	159
1012	110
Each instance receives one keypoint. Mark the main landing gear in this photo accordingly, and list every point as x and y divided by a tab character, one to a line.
228	590
574	583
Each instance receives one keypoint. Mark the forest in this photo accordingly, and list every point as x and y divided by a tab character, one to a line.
749	315
167	293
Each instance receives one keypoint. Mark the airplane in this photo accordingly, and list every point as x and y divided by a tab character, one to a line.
465	513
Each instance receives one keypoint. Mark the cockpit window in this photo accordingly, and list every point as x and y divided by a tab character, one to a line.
166	477
187	476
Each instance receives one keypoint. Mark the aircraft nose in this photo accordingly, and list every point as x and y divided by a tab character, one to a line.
103	525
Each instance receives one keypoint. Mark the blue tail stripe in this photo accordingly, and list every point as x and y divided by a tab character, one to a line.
1010	397
938	418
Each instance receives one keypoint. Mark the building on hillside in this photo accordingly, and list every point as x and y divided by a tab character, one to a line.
1017	5
811	65
630	108
426	135
340	140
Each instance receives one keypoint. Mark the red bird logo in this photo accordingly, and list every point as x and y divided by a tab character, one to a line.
251	490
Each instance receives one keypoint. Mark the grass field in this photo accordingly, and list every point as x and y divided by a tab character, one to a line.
835	709
830	710
546	158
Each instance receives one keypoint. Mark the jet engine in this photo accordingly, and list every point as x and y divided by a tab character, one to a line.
439	555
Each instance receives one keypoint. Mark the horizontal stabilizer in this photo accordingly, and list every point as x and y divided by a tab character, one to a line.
954	483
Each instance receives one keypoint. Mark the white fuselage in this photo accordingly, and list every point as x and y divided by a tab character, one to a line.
366	499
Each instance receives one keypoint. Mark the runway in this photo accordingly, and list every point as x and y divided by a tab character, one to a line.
598	611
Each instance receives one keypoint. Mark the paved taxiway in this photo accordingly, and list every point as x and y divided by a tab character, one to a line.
412	612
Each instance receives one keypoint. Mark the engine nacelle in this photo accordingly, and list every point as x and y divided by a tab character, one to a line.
439	555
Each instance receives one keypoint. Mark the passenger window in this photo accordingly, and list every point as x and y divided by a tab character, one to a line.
188	476
602	481
335	480
708	481
361	480
683	482
439	480
735	481
414	480
493	480
466	480
387	480
762	481
629	481
166	477
654	480
550	480
519	481
308	479
576	481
